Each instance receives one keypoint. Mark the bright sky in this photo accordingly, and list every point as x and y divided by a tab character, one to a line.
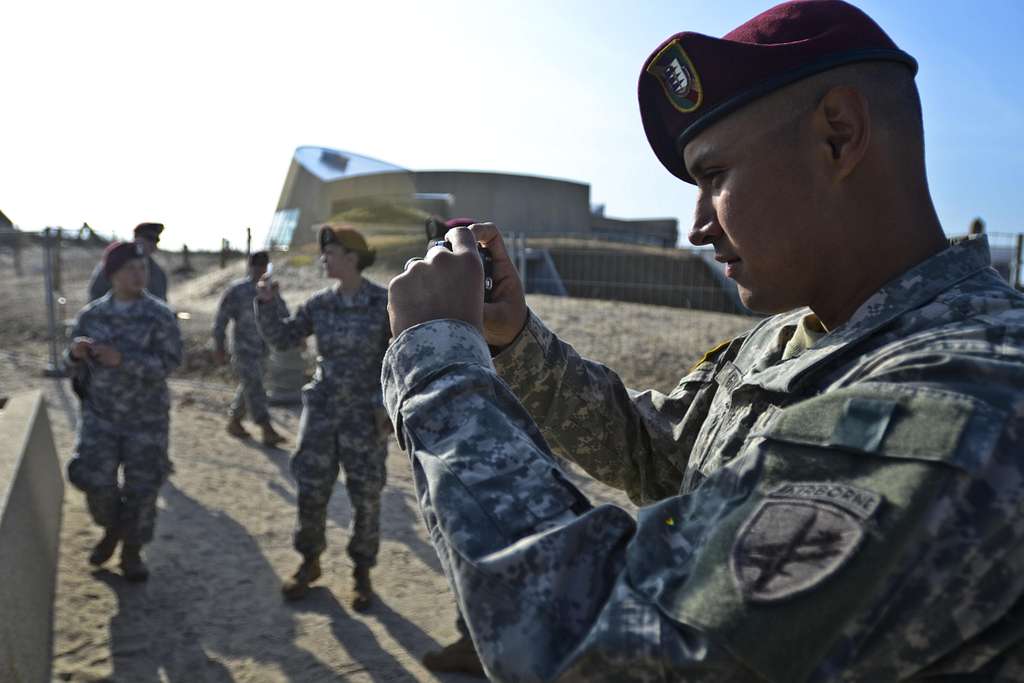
188	112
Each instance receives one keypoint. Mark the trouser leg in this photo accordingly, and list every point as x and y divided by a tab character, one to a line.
251	394
93	470
315	468
146	466
363	451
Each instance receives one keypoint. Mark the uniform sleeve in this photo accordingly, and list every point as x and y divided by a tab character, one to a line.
163	355
157	284
637	442
98	283
226	310
281	330
854	500
72	366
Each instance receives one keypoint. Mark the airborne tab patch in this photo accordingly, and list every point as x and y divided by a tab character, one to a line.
674	70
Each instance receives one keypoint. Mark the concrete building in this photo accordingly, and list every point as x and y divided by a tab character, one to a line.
322	183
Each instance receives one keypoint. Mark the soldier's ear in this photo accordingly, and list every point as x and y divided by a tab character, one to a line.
842	127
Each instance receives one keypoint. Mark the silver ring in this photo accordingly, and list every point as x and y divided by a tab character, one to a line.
411	261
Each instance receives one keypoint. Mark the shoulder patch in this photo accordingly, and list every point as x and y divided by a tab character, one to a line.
790	545
710	355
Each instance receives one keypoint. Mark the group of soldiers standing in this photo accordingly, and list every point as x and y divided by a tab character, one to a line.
126	342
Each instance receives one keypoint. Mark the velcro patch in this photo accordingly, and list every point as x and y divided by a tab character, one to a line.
860	502
790	546
674	70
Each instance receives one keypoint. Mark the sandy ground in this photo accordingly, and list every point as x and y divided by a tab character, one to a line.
212	610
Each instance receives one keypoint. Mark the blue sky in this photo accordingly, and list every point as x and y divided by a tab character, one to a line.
117	112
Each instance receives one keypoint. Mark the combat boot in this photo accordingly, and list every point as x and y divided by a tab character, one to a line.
298	585
236	429
270	437
459	657
132	567
362	589
104	550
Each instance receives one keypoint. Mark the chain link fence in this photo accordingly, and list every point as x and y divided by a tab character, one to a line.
648	312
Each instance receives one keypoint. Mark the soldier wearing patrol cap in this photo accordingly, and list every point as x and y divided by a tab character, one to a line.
147	236
124	345
837	494
343	421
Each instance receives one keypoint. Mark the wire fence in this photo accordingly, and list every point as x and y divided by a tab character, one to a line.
648	312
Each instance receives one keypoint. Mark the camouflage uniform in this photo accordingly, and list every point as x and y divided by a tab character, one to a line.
852	513
156	281
125	412
342	413
248	350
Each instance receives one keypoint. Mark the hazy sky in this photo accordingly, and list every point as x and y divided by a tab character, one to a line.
188	112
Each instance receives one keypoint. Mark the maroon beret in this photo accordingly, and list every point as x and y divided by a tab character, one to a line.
693	80
460	222
119	253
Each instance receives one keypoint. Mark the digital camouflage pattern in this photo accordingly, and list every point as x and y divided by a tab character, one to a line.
853	513
248	350
125	413
156	281
342	423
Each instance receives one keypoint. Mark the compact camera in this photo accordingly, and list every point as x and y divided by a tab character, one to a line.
436	230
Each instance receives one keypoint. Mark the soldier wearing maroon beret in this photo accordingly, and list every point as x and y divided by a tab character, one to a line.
837	494
147	236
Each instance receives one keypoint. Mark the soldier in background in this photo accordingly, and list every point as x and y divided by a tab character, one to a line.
343	421
147	236
124	345
248	352
837	494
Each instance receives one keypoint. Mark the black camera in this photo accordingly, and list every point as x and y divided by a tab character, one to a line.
436	229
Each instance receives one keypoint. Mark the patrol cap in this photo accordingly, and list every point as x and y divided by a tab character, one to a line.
259	258
692	80
119	253
349	239
150	231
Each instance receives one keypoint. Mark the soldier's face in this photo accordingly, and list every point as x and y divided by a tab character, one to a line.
256	271
757	206
339	263
130	279
148	245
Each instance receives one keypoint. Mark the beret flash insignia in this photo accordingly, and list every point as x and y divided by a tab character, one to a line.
674	70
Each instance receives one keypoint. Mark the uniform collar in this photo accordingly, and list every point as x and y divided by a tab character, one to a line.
963	258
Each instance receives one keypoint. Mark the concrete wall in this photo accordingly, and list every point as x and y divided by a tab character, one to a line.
31	494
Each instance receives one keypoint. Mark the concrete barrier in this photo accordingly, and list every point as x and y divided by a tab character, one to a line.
31	494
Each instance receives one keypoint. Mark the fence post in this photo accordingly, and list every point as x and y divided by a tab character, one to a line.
1018	276
223	253
57	279
16	246
248	241
52	369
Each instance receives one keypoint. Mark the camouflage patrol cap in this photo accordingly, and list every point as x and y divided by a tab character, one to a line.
150	231
349	239
119	253
692	80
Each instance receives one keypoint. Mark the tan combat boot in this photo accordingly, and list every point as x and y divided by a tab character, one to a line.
132	567
459	657
104	550
236	429
298	585
362	589
270	437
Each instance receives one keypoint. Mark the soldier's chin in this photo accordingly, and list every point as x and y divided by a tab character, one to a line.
761	302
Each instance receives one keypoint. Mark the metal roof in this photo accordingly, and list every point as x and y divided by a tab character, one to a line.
334	164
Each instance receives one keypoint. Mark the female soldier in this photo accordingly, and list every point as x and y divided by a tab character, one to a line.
343	421
124	345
